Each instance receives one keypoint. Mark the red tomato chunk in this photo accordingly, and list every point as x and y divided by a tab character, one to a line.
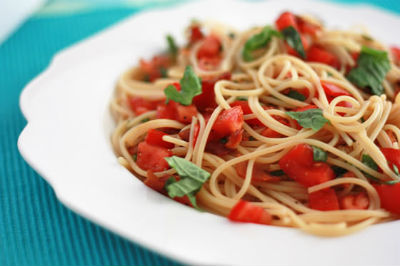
246	212
150	157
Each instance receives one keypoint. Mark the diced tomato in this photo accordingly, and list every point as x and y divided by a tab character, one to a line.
185	113
320	55
246	212
140	105
209	63
150	157
285	20
228	121
390	197
359	201
299	165
258	175
154	182
210	47
195	34
392	156
154	68
323	200
217	148
270	133
166	111
206	100
246	110
234	139
304	41
184	200
396	53
307	27
332	90
154	137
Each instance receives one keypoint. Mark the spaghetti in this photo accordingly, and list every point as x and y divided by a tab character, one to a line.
294	126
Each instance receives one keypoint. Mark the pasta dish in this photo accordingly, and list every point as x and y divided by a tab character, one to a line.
290	124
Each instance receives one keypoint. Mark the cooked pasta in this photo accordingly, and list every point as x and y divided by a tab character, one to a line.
294	125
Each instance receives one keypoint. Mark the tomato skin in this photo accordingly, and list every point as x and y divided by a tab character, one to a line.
234	139
150	157
195	34
184	114
320	55
299	165
152	69
390	197
206	100
323	200
154	182
270	133
140	105
332	90
285	20
246	212
166	111
396	53
246	111
359	201
258	174
154	137
392	156
210	47
228	122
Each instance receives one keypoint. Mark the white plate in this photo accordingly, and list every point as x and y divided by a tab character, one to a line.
67	140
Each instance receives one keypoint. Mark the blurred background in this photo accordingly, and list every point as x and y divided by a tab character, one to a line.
35	229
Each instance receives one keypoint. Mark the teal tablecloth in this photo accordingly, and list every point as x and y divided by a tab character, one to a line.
35	229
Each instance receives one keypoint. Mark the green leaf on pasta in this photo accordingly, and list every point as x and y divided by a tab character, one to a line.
172	47
296	95
190	87
191	180
371	70
319	155
292	37
311	118
258	41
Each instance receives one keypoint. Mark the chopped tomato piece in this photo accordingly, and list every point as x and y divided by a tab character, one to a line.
184	114
228	121
320	55
258	175
150	157
246	212
323	200
206	100
392	156
217	148
299	165
270	133
396	53
156	67
154	137
209	63
359	201
333	90
390	197
234	139
195	34
210	47
246	110
166	111
285	20
140	105
307	27
154	182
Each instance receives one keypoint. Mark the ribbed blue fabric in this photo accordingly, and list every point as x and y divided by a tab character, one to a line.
35	229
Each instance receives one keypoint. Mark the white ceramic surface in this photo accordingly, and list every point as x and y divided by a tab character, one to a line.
67	141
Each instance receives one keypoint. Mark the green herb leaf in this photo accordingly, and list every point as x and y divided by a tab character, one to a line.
311	118
258	41
319	155
172	48
134	157
191	180
242	98
368	161
372	66
144	120
395	169
277	173
224	140
292	37
190	87
296	95
339	171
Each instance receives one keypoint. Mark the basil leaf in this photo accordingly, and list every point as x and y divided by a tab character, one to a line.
191	180
319	155
258	41
292	37
395	169
190	87
339	171
277	173
296	95
172	48
242	98
368	161
372	67
311	118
